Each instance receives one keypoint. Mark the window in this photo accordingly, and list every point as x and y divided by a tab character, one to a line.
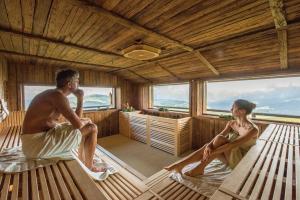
172	97
94	97
273	96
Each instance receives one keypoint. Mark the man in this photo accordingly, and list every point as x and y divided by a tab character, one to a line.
43	137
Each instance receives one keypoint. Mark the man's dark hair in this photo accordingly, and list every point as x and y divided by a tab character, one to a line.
64	76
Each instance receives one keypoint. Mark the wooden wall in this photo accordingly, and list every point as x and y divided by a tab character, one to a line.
20	74
106	120
205	128
3	77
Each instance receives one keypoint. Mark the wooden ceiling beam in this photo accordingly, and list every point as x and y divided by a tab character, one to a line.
133	72
4	52
277	10
48	40
206	63
167	70
127	23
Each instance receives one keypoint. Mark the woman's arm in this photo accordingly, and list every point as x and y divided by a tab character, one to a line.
236	143
224	132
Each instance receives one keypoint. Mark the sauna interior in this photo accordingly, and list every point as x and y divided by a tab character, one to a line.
159	78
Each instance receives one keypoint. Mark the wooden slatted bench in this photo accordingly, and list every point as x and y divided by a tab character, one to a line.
64	180
270	170
282	133
163	187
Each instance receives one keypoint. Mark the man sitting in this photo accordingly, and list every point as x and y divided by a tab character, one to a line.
43	137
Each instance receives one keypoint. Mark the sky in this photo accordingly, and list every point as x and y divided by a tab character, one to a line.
217	90
175	91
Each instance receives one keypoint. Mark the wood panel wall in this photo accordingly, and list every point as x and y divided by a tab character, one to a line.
206	128
3	77
106	121
20	74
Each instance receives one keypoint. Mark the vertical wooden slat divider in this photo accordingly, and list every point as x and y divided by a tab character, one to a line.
121	184
52	184
289	174
34	185
251	179
108	191
119	189
115	191
15	189
5	188
271	176
44	186
68	179
25	182
64	191
262	174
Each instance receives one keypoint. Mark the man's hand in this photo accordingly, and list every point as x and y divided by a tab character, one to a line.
79	93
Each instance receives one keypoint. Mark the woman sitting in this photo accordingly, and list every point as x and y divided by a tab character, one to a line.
229	146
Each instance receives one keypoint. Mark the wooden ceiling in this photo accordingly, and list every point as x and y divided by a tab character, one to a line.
198	38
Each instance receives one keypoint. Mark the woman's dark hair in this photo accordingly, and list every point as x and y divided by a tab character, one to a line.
244	104
64	76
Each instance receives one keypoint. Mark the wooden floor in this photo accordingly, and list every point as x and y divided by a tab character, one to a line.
67	180
143	158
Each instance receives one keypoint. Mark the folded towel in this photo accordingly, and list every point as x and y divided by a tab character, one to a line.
209	182
12	160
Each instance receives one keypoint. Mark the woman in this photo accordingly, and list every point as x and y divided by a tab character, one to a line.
229	146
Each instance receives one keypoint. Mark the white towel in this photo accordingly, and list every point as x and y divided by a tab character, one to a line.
12	160
209	182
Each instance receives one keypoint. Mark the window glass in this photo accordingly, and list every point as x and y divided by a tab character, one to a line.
276	96
94	97
173	97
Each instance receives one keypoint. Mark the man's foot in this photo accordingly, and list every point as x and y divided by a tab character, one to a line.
98	169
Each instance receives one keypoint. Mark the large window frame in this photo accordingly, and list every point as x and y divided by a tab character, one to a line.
173	109
255	115
86	108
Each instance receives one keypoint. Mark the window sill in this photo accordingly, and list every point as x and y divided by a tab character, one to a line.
257	118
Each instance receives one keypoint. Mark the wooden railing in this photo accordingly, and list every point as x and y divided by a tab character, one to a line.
107	120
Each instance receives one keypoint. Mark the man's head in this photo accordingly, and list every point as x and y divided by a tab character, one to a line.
67	79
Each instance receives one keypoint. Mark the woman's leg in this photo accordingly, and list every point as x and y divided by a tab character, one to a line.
193	157
199	170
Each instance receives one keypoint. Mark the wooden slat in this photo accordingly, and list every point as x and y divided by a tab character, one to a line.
207	63
44	186
15	187
34	185
129	24
52	184
5	189
84	182
25	182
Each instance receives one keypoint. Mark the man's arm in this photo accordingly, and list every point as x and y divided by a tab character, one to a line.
63	106
79	94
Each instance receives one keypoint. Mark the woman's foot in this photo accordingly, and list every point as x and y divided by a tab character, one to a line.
176	167
199	170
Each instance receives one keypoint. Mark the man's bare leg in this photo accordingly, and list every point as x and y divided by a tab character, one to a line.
193	157
81	155
89	132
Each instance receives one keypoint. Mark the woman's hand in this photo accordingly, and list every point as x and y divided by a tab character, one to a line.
207	152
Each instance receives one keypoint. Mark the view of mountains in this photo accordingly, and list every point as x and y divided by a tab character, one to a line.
283	102
93	100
